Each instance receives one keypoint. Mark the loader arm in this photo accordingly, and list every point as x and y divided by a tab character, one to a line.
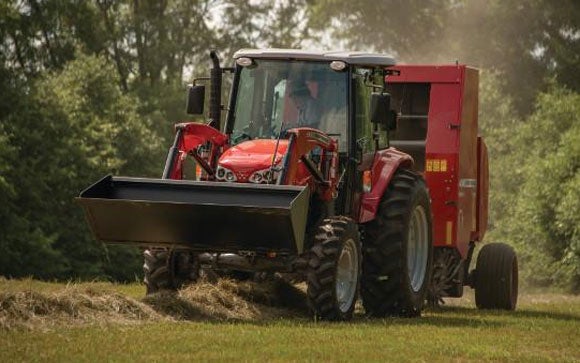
302	142
189	136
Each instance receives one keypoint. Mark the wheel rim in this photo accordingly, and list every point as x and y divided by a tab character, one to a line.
346	276
417	248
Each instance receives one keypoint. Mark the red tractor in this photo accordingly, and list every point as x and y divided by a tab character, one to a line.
362	176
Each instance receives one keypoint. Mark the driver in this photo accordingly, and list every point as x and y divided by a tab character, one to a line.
308	109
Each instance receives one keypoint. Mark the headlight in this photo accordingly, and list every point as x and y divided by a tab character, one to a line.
224	174
264	176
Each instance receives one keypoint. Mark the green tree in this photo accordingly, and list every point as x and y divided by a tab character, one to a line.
399	27
76	127
498	122
527	42
546	214
534	173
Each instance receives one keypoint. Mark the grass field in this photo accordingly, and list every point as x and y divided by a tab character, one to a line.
105	322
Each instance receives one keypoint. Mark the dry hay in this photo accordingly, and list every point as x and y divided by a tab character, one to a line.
231	300
71	306
204	301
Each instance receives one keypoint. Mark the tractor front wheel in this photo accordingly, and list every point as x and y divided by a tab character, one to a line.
169	269
398	250
496	277
333	271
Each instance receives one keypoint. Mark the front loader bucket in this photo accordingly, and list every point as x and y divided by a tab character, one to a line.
206	216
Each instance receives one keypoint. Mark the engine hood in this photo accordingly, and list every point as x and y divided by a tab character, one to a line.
253	155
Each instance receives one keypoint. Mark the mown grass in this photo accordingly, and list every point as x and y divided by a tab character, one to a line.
134	290
546	327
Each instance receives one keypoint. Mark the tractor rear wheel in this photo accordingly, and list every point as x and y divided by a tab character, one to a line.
398	250
496	277
333	271
169	269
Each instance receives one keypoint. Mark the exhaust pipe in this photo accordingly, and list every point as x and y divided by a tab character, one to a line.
215	93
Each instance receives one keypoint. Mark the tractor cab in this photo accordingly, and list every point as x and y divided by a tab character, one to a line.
341	96
279	89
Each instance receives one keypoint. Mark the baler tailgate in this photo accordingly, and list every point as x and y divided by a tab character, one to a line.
208	216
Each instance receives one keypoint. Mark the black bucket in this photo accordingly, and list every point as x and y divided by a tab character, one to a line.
205	216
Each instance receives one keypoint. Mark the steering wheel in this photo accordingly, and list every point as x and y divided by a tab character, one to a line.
242	137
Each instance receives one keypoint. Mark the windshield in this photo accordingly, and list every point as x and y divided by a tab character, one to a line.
279	95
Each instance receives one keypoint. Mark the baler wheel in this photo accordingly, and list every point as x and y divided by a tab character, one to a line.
333	271
398	250
166	269
496	277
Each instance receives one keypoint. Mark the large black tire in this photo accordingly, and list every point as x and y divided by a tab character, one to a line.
396	276
166	269
496	277
333	271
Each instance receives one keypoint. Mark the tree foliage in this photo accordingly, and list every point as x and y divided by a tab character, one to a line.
93	87
74	127
524	41
544	218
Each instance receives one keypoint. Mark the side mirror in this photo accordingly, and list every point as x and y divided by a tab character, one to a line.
195	100
380	108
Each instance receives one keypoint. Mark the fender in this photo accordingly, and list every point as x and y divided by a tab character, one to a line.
190	135
385	164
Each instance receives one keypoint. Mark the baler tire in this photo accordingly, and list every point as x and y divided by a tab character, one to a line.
390	286
496	277
166	269
329	296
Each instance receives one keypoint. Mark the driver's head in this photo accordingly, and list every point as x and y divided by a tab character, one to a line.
300	95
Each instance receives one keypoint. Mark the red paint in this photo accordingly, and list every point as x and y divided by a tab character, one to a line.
250	156
385	164
482	190
452	136
458	195
443	188
194	135
306	140
435	74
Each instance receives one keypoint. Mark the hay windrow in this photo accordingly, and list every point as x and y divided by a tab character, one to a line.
70	306
79	304
231	300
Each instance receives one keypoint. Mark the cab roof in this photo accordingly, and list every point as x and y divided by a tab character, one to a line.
358	58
